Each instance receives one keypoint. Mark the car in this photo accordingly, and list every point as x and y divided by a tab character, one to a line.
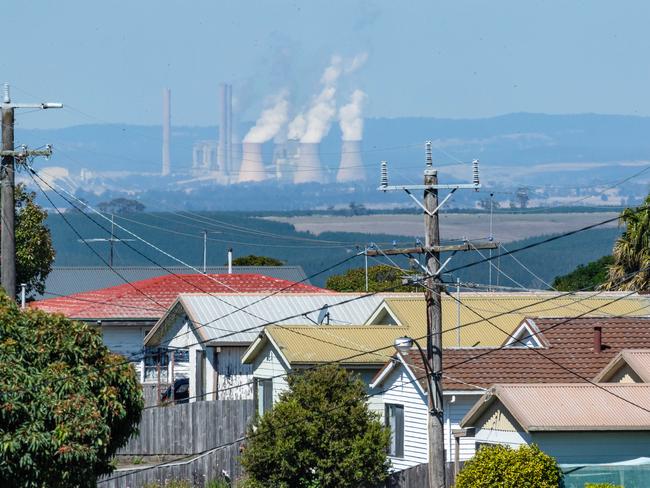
181	392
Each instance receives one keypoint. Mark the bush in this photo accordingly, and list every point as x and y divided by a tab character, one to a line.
503	467
602	485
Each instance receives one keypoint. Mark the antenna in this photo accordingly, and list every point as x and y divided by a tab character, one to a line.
324	314
429	158
383	182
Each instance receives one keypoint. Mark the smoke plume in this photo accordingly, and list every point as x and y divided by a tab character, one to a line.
270	121
350	117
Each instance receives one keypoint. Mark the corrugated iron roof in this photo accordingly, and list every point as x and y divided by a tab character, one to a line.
152	297
67	280
508	311
227	324
637	359
570	407
309	345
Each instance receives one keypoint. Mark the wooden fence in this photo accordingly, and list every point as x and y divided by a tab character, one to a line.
418	476
190	428
205	435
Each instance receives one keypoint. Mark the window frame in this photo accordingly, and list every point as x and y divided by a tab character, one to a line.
394	412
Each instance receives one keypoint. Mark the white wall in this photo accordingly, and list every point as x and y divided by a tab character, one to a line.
235	379
127	341
267	365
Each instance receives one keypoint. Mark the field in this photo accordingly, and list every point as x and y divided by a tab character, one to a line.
507	227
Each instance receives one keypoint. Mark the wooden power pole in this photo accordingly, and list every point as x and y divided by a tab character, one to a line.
7	174
433	295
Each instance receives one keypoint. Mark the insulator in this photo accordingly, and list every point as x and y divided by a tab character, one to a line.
475	178
7	98
429	158
384	174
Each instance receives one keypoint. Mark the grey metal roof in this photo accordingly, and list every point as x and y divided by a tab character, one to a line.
64	280
219	321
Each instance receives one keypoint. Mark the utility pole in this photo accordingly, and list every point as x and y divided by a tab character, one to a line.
7	174
111	241
433	294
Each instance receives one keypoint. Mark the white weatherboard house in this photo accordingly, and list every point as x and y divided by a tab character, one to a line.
575	423
204	336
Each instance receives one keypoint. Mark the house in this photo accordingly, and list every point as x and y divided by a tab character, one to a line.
204	336
505	310
127	313
565	350
575	423
68	280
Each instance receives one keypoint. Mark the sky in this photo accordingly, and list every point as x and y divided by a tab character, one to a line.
109	61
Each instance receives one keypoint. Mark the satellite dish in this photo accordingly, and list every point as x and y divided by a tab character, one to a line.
324	314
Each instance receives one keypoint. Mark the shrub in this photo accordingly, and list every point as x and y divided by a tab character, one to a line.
504	467
602	485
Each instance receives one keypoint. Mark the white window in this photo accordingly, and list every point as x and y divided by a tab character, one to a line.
264	395
395	420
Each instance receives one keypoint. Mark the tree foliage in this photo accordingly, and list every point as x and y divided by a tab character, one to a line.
380	278
588	276
630	270
319	434
34	250
66	402
504	467
121	206
253	260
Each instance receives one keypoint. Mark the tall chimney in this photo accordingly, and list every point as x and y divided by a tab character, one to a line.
598	339
167	129
230	261
252	164
308	167
225	129
351	167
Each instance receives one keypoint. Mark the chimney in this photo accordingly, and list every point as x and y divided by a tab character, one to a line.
351	168
167	128
252	163
230	261
598	339
308	166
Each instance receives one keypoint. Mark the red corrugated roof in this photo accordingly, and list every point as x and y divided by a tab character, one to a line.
570	350
150	298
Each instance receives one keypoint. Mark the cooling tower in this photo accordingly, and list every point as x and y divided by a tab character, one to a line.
308	168
252	164
351	168
166	132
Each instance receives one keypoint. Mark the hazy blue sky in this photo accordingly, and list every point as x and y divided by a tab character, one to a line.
425	58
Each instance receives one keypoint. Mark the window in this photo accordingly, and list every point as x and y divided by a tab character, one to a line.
264	394
395	420
155	365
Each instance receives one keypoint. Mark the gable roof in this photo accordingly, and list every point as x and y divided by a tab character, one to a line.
228	318
569	349
637	359
570	407
302	345
68	280
507	311
150	298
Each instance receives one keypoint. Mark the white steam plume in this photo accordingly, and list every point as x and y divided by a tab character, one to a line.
350	116
314	124
270	121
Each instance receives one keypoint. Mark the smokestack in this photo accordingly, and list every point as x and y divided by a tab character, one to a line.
598	339
252	164
167	129
308	166
225	129
351	168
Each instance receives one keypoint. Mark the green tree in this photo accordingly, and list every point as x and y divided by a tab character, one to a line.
504	467
588	276
66	402
319	434
253	260
631	267
380	278
34	250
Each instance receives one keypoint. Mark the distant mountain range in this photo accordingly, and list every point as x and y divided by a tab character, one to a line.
513	140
